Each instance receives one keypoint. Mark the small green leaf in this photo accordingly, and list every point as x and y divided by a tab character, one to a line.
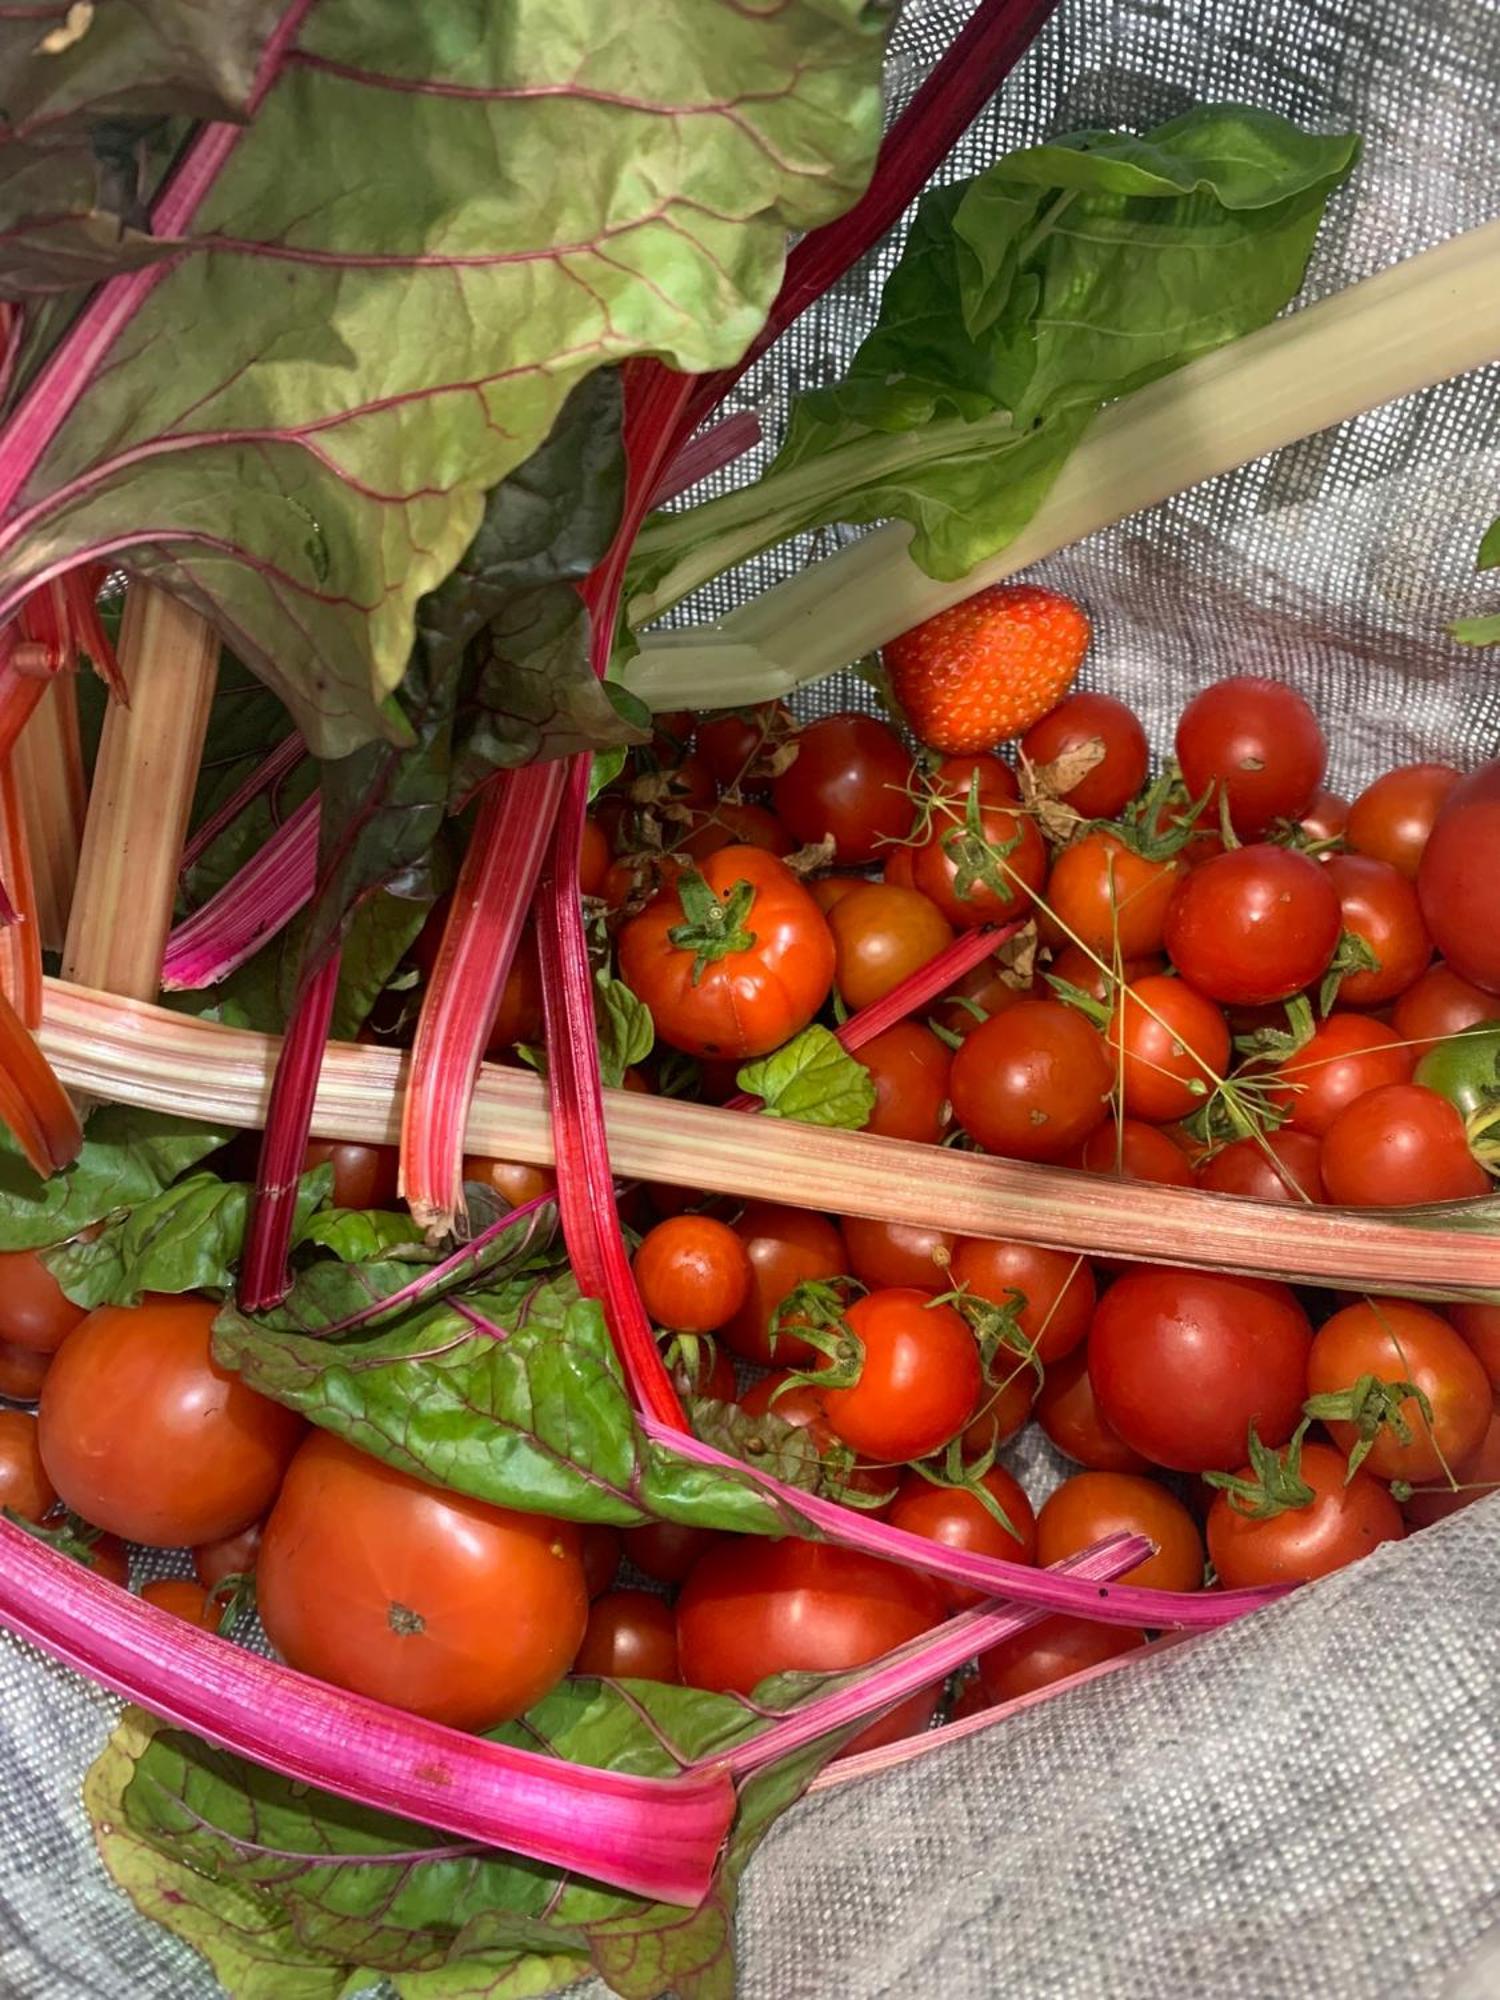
814	1080
128	1157
1477	631
625	1030
1489	547
366	1236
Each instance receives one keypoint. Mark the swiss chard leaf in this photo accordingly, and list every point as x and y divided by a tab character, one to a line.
813	1079
1483	630
129	1156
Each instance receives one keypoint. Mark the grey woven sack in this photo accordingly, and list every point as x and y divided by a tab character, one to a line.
1307	1804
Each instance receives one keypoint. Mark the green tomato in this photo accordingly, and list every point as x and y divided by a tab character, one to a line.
1465	1068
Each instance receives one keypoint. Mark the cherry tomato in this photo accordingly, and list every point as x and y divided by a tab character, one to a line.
851	779
513	1181
957	1518
1278	1166
1392	818
144	1434
1348	1056
786	1246
983	879
1131	1151
667	774
980	993
747	976
754	1607
363	1176
802	1406
1396	1341
1033	1082
1070	1416
1080	721
24	1485
1084	972
1053	1650
1478	1477
737	744
1107	897
1258	744
1440	1004
1380	906
601	1547
22	1372
666	1550
1174	1046
829	890
692	1273
734	823
631	1636
1479	1325
898	1253
881	935
954	775
1458	880
1325	818
1254	924
1091	1505
593	858
918	1382
1399	1145
1345	1519
184	1599
1053	1290
633	881
1183	1362
911	1070
1003	1410
423	1598
229	1555
34	1310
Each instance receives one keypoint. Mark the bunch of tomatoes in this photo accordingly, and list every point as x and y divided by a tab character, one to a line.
1222	976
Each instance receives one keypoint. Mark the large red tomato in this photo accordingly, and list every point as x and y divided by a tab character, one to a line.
1458	880
425	1599
1108	898
881	935
1173	1044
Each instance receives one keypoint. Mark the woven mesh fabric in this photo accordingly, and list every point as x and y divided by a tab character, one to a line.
1307	1805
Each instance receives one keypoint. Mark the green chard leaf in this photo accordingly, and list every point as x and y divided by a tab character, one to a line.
366	1236
813	1079
129	1156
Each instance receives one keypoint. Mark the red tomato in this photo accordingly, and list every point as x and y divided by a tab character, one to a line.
363	1176
1131	1151
986	879
1050	1651
667	1550
1084	972
957	1518
1254	924
593	859
518	1018
1345	1519
919	1380
1396	1341
1458	880
911	1070
1091	1505
851	779
1183	1362
1438	1005
786	1246
692	1273
184	1599
1070	1416
416	1596
1480	1327
1478	1477
631	1636
22	1372
1258	744
1393	818
753	1608
1052	1289
1399	1145
1174	1047
1107	897
601	1556
896	867
898	1253
24	1485
801	1405
881	935
974	998
734	823
1326	817
1347	1056
762	958
34	1311
828	890
1002	1410
229	1555
142	1433
1278	1166
1033	1082
954	775
1083	720
737	745
1380	906
514	1182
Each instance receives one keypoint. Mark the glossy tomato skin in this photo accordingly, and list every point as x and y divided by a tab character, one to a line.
22	1372
973	999
785	1246
1051	1651
881	935
1068	1412
1281	1166
692	1273
143	1434
1479	1325
667	1550
1325	817
1257	742
1253	925
736	745
1440	1004
1104	895
1379	905
1458	880
898	1253
755	1607
426	1599
1081	719
1345	1520
1091	1505
601	1547
1392	819
1019	859
956	774
34	1310
1347	1056
363	1176
24	1485
513	1182
919	1380
1055	1289
1033	1082
911	1070
749	1001
1183	1362
1399	1146
1128	1150
1397	1341
851	779
1096	980
631	1635
959	1519
1174	1047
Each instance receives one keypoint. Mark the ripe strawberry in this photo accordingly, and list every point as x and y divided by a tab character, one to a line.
987	668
